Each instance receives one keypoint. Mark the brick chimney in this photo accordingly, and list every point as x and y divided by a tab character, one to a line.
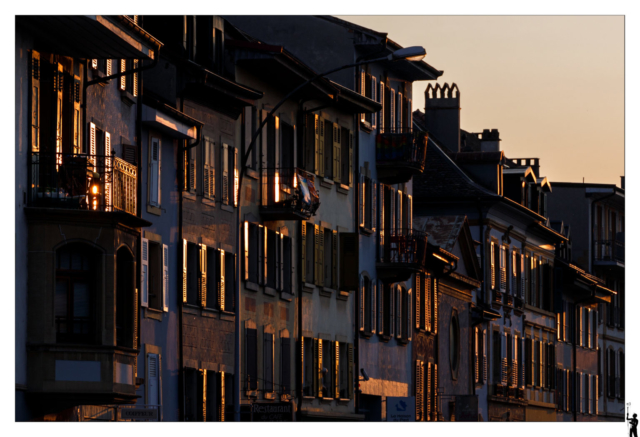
490	141
442	114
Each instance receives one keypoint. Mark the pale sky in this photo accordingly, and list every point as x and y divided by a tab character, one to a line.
552	85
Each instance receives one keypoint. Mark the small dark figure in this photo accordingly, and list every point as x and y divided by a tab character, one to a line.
634	425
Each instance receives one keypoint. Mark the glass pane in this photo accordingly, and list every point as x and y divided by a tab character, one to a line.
76	260
63	259
81	300
60	303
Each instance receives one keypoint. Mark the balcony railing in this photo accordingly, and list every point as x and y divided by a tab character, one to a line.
400	154
497	296
609	250
288	194
403	254
82	181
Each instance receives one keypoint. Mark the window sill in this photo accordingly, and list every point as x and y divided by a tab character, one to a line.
227	208
326	400
344	189
342	401
248	285
367	231
366	126
253	174
190	309
286	296
366	334
189	196
128	98
154	210
152	313
308	398
209	202
209	312
327	183
385	338
227	315
269	291
343	295
286	398
327	292
270	396
403	341
308	288
251	394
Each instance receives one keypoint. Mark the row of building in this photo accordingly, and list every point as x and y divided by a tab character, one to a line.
193	243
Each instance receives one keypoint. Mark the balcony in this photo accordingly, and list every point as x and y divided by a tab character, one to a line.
497	296
404	254
288	194
609	253
82	182
400	154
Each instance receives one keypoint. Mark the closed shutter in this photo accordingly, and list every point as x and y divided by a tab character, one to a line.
285	365
409	212
485	364
408	323
542	358
263	247
503	269
222	382
523	362
596	391
380	305
362	300
144	274
35	101
514	361
251	337
399	311
336	369
381	115
580	326
350	158
493	266
108	66
419	373
418	296
621	375
184	270
374	201
153	389
202	275
350	379
372	285
595	329
224	161
589	323
503	360
399	222
267	353
165	277
362	91
135	79
334	261
222	286
435	392
476	363
303	254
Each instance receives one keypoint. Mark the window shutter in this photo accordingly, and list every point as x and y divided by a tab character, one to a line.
476	363
135	79
400	123
503	359
144	274
542	358
154	174
392	320
418	294
108	64
419	370
362	298
224	187
493	266
203	394
246	250
303	227
165	277
222	283
123	79
35	101
336	369
320	260
301	358
595	329
514	273
223	396
580	325
252	358
334	261
409	212
374	201
381	229
285	365
337	153
485	364
320	145
392	211
153	375
428	299
202	280
350	158
184	270
380	305
399	213
434	283
372	285
392	106
514	361
362	91
589	322
374	89
350	379
503	269
262	236
523	362
435	392
528	352
399	312
208	173
318	370
381	101
361	200
596	393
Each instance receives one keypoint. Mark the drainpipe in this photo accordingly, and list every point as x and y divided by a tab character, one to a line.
356	335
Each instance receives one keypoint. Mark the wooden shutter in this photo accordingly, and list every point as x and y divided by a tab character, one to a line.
108	65
134	91
381	114
320	256
428	394
374	201
153	397
334	261
523	362
362	300
493	266
362	199
580	326
209	169
596	393
224	161
409	312
428	300
374	89
400	123
514	361
503	269
434	283
399	311
222	282
435	391
285	365
350	158
503	359
223	396
252	359
392	320
392	106
380	305
418	297
319	146
419	374
144	274
521	269
399	230
381	228
362	91
337	153
318	369
202	279
409	212
476	363
123	79
165	278
350	378
184	270
154	172
303	254
589	322
485	364
263	247
336	369
372	285
246	250
35	101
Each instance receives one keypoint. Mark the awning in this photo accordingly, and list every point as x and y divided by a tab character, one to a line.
91	36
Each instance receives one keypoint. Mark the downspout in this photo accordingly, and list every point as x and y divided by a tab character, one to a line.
299	364
356	203
180	279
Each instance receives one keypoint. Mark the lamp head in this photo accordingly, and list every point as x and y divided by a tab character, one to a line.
364	374
414	53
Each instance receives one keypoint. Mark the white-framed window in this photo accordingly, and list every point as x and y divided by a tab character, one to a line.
208	169
154	275
154	172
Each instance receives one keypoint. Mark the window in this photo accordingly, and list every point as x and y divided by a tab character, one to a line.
328	368
319	255
229	174
251	348
346	156
480	353
345	371
367	305
285	363
208	169
208	395
308	374
381	100
75	300
249	127
454	345
190	170
217	275
267	354
154	275
191	273
267	257
330	266
497	357
128	82
367	89
330	151
403	312
368	202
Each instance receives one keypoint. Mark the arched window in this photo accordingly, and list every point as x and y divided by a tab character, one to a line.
74	302
454	345
125	301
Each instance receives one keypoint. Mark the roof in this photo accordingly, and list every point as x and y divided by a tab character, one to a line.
442	231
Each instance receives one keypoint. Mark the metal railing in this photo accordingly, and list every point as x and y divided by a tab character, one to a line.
401	145
82	181
290	190
406	246
119	413
609	250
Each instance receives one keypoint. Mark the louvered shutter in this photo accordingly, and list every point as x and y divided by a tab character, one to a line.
398	311
381	230
595	329
435	392
92	144
372	285
246	250
350	378
252	358
523	362
135	79
279	260
318	369
165	278
596	393
285	364
392	320
429	391
580	326
321	248
408	322
350	158
476	363
362	300
223	396
123	79
493	266
222	282
336	370
362	91
514	273
224	161
392	107
418	297
541	363
399	114
208	174
303	253
144	274
336	153
262	236
409	212
503	359
184	270
380	305
203	394
153	397
362	202
202	279
528	352
154	172
108	67
399	230
334	261
428	299
434	284
35	101
522	274
514	361
419	369
374	201
589	322
317	272
320	146
485	364
503	269
381	101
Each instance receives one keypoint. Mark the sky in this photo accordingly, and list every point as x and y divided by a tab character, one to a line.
552	85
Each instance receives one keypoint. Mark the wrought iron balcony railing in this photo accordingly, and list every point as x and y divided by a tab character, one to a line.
288	194
406	246
82	181
400	154
609	250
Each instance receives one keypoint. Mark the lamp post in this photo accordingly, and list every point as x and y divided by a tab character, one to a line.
414	53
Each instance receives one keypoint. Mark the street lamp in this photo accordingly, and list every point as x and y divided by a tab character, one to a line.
414	53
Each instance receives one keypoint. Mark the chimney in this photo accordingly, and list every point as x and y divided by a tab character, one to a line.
490	141
442	114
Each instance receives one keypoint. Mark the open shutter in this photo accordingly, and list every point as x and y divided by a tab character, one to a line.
392	107
409	212
134	91
503	269
392	320
361	199
224	161
428	394
222	282
380	305
408	322
202	280
418	297
435	391
428	299
589	322
108	63
321	267
374	88
144	274
153	375
523	362
318	369
320	145
362	91
493	266
372	285
154	173
596	393
381	226
165	278
419	369
208	173
476	363
362	300
374	201
184	270
246	250
434	328
236	178
514	361
303	254
399	308
35	101
350	158
381	94
262	237
522	284
503	360
123	79
334	261
399	230
484	356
